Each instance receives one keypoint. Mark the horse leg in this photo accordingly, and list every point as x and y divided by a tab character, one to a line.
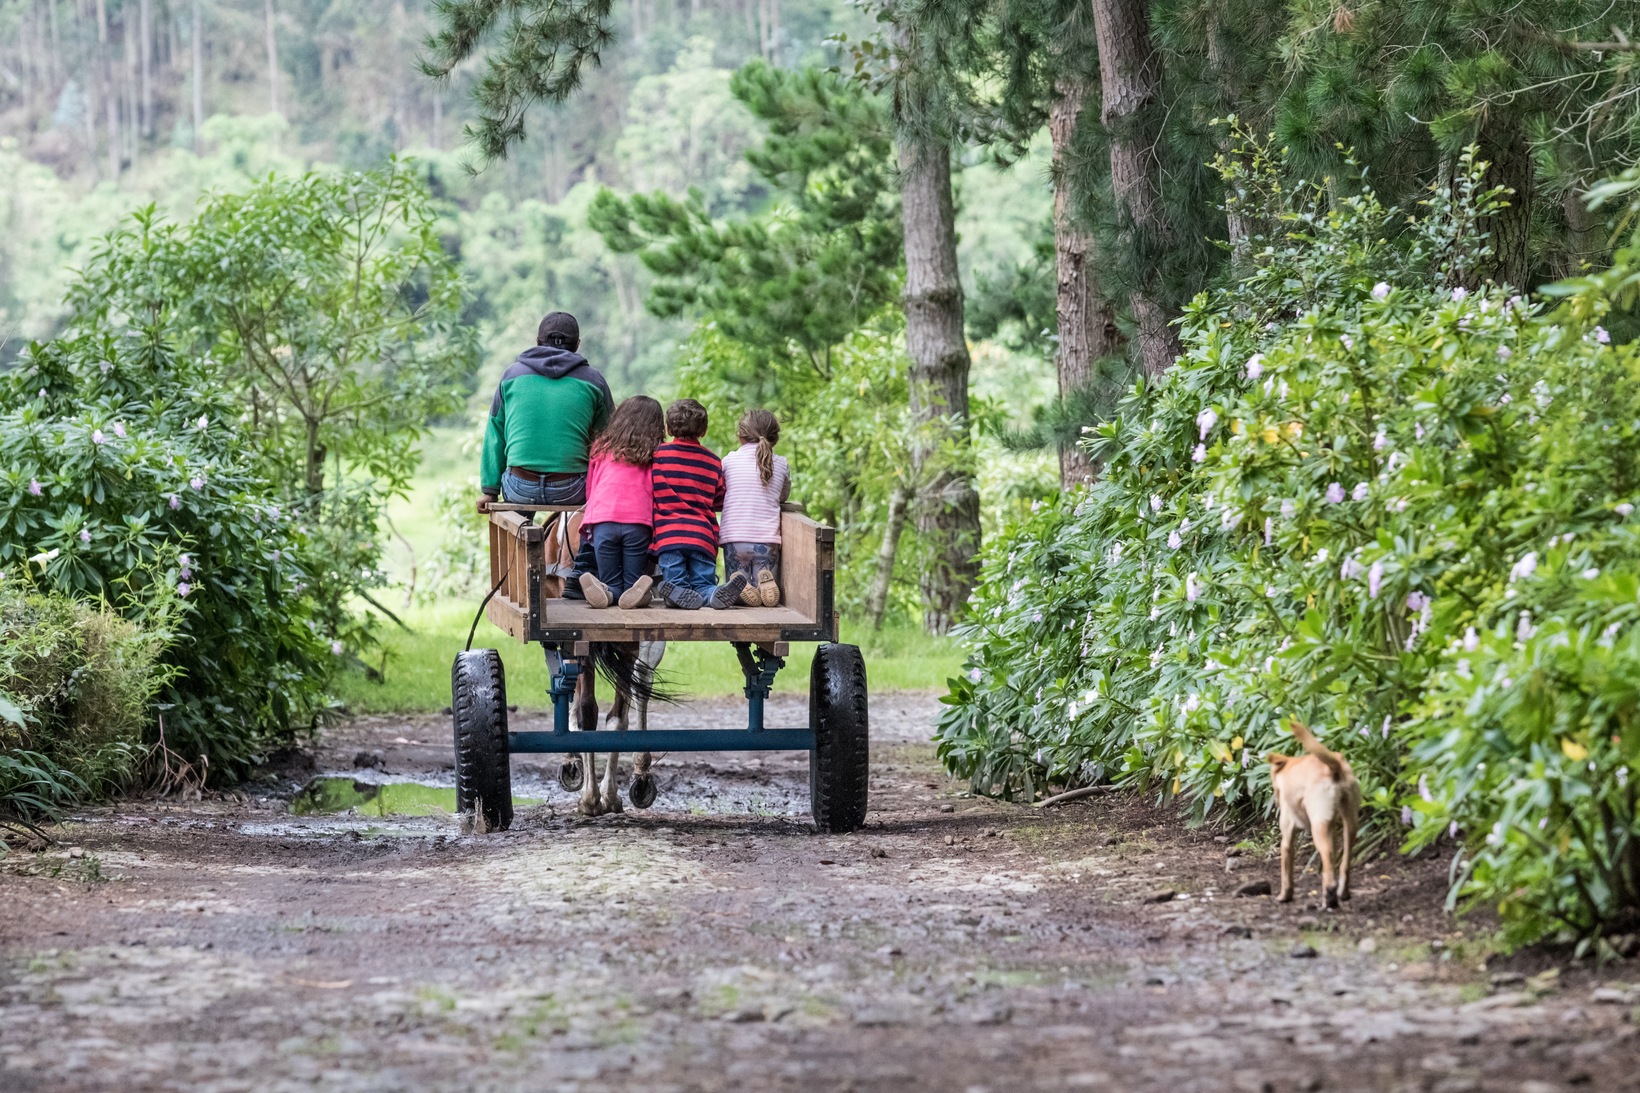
649	659
586	716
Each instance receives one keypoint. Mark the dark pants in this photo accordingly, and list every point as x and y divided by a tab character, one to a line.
622	551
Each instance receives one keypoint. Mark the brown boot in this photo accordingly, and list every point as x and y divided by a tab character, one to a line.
768	591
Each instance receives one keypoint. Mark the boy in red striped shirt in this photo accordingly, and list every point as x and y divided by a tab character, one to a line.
688	490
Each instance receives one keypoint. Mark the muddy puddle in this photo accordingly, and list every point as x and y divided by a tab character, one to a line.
326	796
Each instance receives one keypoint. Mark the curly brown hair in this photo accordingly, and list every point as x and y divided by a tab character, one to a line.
686	418
635	430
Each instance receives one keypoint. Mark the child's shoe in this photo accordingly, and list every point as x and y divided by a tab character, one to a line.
728	593
768	592
684	599
596	592
639	595
749	596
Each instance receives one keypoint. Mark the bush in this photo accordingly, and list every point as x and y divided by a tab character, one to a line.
126	479
76	683
1391	508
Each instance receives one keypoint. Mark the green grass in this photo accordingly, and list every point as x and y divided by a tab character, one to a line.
417	673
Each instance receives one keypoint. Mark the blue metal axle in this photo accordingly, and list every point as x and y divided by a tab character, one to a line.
658	740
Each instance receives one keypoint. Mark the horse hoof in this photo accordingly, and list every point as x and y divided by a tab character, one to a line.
570	775
642	791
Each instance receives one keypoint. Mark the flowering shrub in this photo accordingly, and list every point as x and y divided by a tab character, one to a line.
1395	510
124	477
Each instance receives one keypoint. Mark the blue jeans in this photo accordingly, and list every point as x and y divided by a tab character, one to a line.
689	569
568	491
622	551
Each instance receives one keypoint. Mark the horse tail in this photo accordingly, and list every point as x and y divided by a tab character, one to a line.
618	664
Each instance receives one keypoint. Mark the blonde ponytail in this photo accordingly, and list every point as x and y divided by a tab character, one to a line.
763	429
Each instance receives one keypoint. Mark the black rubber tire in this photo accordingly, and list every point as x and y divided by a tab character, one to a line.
643	791
840	764
478	701
570	777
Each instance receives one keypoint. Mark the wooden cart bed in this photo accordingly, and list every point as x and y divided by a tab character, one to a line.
528	559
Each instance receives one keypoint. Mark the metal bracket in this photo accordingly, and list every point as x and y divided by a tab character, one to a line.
562	671
759	669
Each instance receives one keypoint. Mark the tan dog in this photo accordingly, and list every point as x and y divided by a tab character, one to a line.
1315	790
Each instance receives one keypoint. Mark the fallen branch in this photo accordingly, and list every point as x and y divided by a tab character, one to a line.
1074	795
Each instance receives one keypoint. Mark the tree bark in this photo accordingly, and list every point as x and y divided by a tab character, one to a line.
145	50
883	580
273	57
1086	322
1585	235
199	73
1502	144
1130	78
948	515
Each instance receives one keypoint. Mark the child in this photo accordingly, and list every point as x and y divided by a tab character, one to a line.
757	482
688	485
620	509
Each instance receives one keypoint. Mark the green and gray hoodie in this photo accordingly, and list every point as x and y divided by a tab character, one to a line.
548	407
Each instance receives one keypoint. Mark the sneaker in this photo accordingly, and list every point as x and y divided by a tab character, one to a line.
663	592
572	587
768	592
595	591
639	595
684	599
749	596
728	593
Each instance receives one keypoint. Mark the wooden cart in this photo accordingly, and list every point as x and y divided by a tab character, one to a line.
531	548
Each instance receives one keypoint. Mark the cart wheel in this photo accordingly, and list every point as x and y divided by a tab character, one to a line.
642	791
483	768
569	775
840	763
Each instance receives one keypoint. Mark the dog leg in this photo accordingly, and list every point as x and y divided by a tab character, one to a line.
1348	850
1322	834
1289	825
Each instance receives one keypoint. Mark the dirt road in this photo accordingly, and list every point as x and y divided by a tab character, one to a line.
715	942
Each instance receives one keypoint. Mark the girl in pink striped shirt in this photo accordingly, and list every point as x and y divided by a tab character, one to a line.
756	482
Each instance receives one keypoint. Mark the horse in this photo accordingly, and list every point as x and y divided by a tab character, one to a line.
629	667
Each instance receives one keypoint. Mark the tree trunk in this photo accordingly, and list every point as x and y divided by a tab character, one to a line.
1585	235
145	52
110	93
1086	322
877	602
199	73
314	471
1130	78
948	516
1503	145
273	57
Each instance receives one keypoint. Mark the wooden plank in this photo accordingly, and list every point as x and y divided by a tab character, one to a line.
508	506
799	556
508	617
753	624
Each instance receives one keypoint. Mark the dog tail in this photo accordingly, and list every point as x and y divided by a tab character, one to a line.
1318	749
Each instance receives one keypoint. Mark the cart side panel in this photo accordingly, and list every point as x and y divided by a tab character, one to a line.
517	562
807	562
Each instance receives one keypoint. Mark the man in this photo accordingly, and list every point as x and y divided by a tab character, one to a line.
546	411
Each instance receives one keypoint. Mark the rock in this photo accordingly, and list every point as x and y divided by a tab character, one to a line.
1303	952
369	760
949	841
1166	895
76	851
948	808
878	852
1506	979
968	920
1367	945
1625	945
1238	931
890	950
1609	996
1254	888
745	1015
1113	840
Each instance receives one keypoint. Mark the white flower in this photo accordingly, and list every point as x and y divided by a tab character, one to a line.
1417	601
183	588
1375	579
1269	529
1380	442
1115	555
1193	703
1206	420
1399	504
1229	518
1524	629
1380	291
1199	454
1335	493
1255	366
1289	509
1384	730
336	648
1349	342
97	437
85	535
1418	429
175	501
1282	389
45	556
1591	573
1351	569
1192	589
975	675
1471	640
35	489
1525	567
119	429
1406	815
1423	787
1602	336
1452	829
1359	493
197	482
1623	509
1459	293
1504	352
1174	540
1155	502
202	423
1321	555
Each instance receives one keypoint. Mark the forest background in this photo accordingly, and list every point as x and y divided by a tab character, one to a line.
1204	364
